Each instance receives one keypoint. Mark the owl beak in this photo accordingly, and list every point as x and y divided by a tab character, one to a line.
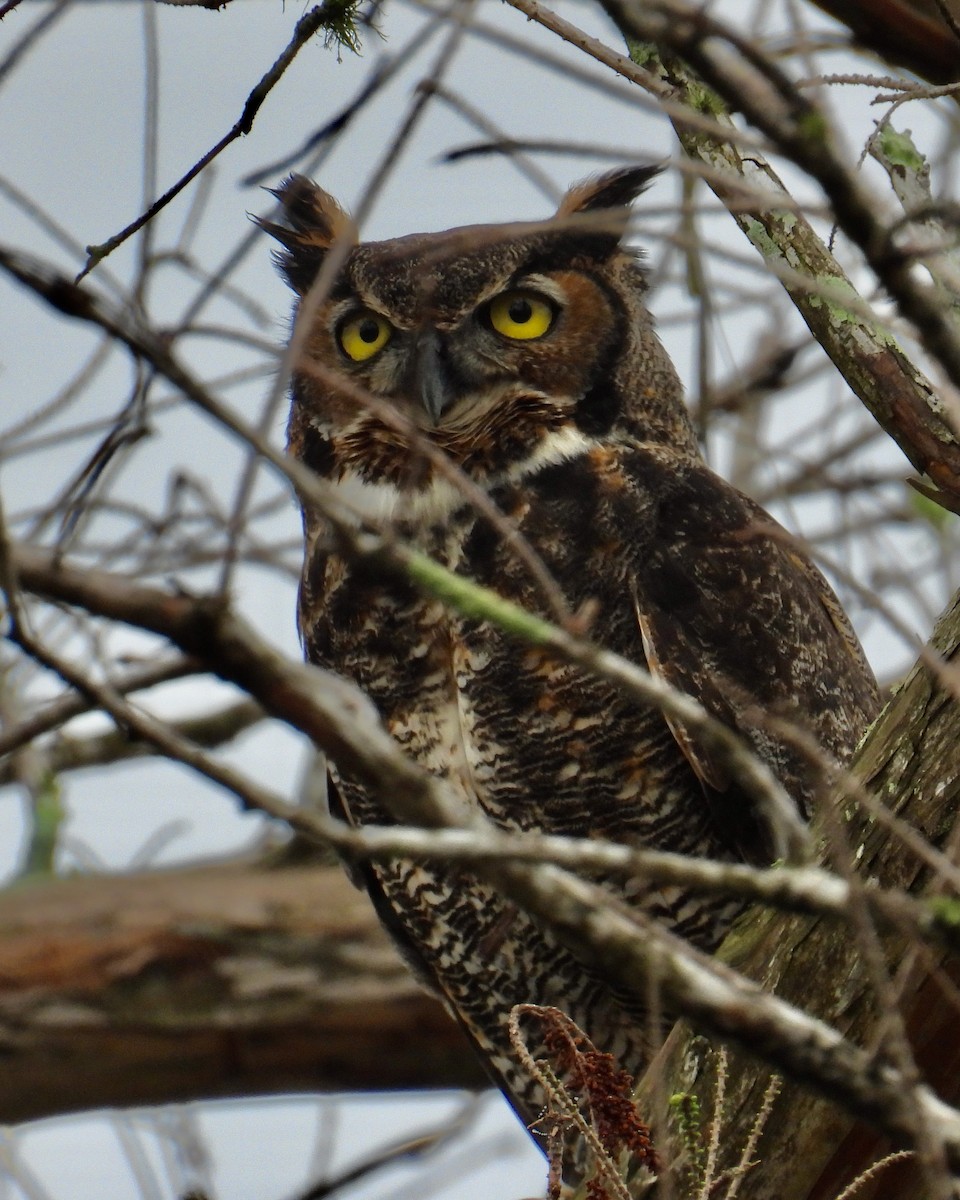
433	378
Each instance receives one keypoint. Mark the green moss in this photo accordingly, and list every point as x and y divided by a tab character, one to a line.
832	293
945	910
340	25
685	1109
898	149
833	304
756	231
813	126
48	816
644	54
704	99
771	235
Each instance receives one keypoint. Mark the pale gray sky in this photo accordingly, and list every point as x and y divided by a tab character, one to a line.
71	139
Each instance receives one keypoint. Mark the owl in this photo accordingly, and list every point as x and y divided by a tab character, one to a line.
519	363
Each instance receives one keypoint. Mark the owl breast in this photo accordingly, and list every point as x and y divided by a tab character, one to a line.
531	741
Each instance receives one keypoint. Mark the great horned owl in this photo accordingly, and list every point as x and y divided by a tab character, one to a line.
525	355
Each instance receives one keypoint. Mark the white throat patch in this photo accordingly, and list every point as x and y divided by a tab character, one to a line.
381	504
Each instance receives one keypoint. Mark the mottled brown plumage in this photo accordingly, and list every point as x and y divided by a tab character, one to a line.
525	354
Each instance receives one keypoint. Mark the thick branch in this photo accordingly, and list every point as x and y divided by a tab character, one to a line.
880	374
811	1148
211	981
909	33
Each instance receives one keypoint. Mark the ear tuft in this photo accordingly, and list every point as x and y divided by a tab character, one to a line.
312	222
613	190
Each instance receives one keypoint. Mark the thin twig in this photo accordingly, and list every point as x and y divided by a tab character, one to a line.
319	17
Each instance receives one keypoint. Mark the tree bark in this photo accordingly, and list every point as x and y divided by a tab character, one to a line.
218	980
811	1149
908	33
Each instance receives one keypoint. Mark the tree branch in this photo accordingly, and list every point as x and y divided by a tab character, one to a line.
897	394
626	949
912	761
216	980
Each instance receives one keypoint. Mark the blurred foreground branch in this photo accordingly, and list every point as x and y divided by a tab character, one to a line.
627	949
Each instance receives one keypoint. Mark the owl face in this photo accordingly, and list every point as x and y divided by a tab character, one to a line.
501	345
451	346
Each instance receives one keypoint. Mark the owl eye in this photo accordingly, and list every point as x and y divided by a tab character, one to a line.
363	335
520	315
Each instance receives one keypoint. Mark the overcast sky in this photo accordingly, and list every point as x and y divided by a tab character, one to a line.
72	120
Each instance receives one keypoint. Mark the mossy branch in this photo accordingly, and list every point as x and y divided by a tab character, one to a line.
900	397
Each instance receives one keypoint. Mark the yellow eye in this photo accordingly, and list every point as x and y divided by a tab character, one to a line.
520	315
364	335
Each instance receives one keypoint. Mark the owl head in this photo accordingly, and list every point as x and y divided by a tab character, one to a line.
505	346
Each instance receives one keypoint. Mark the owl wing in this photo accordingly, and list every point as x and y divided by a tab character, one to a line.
732	612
